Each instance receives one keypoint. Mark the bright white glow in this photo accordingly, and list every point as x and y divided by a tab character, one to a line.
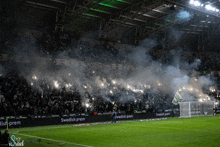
196	3
93	72
159	84
202	5
128	86
208	7
217	10
195	79
67	85
92	98
212	89
200	100
191	2
32	83
69	74
111	91
85	86
56	84
135	101
87	105
70	85
113	82
102	84
34	77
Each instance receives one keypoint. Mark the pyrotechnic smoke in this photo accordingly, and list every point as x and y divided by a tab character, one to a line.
112	85
184	16
1	71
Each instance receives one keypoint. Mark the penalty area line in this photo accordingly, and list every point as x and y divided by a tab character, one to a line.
52	140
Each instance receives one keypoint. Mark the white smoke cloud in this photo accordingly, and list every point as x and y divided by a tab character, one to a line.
184	16
128	85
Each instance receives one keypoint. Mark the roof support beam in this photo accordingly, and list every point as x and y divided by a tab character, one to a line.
39	4
125	22
145	14
58	1
123	1
131	18
137	14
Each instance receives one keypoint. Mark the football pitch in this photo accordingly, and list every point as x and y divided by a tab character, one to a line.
173	132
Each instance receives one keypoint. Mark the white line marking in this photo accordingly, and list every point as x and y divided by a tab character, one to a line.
174	128
42	128
53	140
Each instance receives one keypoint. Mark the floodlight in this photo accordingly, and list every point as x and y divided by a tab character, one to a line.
191	2
196	3
208	7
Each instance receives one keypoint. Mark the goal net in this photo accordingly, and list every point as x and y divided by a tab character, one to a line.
189	109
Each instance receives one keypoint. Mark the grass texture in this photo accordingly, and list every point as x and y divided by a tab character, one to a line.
203	131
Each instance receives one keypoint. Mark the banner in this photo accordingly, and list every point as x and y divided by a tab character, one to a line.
48	120
72	120
162	114
10	123
124	116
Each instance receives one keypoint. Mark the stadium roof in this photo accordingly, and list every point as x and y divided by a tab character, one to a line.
145	16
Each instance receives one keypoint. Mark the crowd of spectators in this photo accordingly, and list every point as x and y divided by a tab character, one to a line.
17	98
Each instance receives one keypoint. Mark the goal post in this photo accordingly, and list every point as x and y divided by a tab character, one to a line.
195	108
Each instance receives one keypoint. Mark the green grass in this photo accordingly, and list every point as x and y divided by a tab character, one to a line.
176	132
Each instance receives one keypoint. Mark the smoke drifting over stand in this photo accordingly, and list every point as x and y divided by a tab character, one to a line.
148	75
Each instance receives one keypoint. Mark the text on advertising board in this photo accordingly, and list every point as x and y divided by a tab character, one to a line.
72	119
